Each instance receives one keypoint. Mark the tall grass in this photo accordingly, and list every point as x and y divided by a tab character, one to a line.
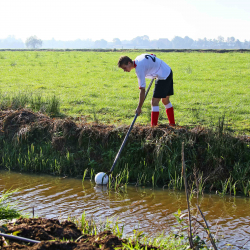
36	102
7	208
138	240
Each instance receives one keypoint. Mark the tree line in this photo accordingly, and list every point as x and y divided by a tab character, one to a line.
139	42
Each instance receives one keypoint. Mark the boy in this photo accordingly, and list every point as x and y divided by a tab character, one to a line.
150	66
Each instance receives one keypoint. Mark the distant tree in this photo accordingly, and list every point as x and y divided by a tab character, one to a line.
209	43
188	42
145	37
146	41
199	43
137	41
246	44
11	43
33	42
220	39
230	42
178	42
142	41
101	43
238	44
205	42
163	43
117	41
230	39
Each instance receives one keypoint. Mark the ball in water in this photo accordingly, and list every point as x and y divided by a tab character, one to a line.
99	180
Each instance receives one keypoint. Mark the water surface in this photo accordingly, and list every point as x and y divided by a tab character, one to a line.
147	209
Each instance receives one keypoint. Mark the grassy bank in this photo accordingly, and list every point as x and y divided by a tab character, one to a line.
89	84
34	142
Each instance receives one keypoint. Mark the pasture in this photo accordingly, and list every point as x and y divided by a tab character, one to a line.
88	84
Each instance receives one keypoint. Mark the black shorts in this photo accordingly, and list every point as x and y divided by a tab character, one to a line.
164	88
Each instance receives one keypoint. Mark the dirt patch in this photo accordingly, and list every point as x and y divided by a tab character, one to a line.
59	235
45	229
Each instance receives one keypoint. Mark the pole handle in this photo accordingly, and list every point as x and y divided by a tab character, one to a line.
130	128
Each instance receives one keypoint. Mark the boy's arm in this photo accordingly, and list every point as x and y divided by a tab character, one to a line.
141	100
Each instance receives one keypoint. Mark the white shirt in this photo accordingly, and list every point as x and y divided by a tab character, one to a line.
150	66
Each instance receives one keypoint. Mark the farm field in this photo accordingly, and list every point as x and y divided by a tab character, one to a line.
208	88
88	84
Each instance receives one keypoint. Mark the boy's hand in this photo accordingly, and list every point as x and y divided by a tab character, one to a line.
138	111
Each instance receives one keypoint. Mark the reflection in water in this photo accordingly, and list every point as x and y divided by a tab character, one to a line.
150	210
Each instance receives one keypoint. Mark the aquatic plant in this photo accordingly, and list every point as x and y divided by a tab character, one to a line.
84	174
7	208
138	240
246	188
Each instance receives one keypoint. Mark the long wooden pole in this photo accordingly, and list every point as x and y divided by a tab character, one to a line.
130	128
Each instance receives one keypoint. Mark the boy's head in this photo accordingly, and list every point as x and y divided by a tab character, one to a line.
125	63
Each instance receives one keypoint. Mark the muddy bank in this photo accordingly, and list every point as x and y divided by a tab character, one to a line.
34	142
56	235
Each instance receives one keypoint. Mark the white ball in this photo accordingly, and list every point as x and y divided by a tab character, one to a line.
99	180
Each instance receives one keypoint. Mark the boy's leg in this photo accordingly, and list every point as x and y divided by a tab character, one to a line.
169	110
155	111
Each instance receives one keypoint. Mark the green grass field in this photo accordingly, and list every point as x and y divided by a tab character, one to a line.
207	85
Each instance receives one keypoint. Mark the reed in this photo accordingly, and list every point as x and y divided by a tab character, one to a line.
84	174
246	188
8	209
138	240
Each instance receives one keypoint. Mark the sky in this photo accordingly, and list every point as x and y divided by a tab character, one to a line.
108	19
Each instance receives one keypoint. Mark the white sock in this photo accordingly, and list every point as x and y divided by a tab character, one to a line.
155	109
168	106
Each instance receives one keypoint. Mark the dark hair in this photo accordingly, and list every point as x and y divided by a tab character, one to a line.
124	60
